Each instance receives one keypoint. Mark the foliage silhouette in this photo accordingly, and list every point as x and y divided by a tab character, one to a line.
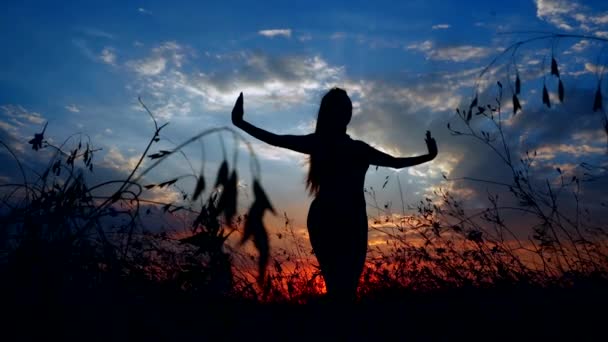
553	39
58	218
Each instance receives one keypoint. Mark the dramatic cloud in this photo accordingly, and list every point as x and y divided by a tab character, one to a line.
278	81
266	80
275	33
460	53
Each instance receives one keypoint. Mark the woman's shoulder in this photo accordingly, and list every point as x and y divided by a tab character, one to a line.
359	143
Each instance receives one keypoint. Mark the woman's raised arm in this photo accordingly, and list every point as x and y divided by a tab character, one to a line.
379	158
298	143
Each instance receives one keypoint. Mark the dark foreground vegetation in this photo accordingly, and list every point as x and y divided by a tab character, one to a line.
133	311
79	262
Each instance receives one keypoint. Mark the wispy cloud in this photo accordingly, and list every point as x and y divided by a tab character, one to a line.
16	123
149	66
275	33
556	12
569	15
337	35
305	37
108	55
160	57
21	116
97	33
459	53
440	27
72	108
143	10
580	46
588	68
602	34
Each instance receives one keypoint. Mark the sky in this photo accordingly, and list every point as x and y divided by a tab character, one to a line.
81	66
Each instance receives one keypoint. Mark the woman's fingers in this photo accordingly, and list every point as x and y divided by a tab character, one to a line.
237	111
239	102
431	144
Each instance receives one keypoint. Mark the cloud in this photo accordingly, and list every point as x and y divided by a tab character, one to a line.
550	152
114	159
389	115
97	33
581	45
337	35
440	27
278	81
305	37
17	125
394	117
569	15
72	108
602	34
159	59
149	66
143	10
556	12
275	33
266	80
108	56
20	116
588	68
460	53
567	134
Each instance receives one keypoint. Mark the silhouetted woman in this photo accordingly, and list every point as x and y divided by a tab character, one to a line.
337	219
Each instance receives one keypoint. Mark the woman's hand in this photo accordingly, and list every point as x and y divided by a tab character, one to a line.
237	111
431	145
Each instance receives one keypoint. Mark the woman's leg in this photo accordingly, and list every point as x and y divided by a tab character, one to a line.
351	260
340	247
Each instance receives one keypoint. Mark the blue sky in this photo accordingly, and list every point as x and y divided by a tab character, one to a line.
407	65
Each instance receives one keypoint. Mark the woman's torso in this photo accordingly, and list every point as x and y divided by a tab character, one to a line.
342	169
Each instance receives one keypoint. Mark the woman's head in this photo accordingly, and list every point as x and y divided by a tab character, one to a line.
335	112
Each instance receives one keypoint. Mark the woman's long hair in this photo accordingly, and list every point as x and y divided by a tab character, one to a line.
334	115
